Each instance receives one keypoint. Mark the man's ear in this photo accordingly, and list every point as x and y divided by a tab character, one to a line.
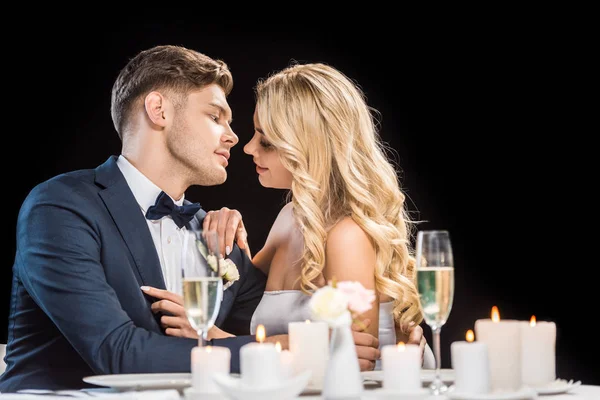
155	105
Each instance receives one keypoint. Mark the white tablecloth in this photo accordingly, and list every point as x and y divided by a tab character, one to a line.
583	392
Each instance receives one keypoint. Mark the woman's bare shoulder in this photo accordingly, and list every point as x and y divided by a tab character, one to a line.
349	252
346	231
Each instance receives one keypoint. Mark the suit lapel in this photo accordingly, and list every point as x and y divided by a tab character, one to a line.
130	221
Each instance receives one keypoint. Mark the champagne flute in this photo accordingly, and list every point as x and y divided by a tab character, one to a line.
202	282
435	283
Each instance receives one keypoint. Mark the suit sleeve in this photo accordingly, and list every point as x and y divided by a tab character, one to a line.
59	261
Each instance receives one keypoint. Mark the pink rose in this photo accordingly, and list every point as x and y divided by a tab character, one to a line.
360	299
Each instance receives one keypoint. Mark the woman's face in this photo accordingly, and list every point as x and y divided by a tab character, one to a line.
271	172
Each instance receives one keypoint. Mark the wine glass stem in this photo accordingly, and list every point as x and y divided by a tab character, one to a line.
437	386
437	351
200	338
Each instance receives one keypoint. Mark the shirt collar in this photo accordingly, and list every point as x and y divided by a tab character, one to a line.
143	189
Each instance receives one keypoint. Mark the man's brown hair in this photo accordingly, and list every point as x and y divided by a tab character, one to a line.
174	70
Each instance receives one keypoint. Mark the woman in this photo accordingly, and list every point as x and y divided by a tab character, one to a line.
346	220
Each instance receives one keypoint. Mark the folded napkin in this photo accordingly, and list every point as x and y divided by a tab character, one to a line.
35	394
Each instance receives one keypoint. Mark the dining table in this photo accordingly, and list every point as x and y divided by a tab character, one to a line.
373	390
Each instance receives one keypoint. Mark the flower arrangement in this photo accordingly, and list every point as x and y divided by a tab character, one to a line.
341	303
229	270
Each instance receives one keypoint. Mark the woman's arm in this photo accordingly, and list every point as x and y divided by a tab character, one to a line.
350	256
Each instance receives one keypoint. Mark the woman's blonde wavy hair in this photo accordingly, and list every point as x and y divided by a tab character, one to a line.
326	136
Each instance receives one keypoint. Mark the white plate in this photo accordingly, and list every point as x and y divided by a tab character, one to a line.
234	389
123	382
427	375
558	386
522	394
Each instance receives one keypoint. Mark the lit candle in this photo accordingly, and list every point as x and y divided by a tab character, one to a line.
503	339
538	352
401	366
260	364
471	365
206	361
309	345
286	359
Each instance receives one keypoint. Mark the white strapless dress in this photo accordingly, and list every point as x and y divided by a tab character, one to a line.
278	308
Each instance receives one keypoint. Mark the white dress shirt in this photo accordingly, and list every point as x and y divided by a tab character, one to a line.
168	238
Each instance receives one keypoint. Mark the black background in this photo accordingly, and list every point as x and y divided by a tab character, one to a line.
474	112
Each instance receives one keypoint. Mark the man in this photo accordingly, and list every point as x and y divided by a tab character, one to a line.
88	240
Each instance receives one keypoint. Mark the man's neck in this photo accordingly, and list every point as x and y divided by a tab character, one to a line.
159	171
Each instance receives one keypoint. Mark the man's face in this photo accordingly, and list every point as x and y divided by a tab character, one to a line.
201	137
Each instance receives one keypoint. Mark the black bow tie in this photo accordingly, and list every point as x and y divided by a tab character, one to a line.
164	206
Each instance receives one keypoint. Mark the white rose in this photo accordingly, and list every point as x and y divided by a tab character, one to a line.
330	305
212	262
230	271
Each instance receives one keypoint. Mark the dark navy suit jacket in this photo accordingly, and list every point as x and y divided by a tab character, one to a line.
76	309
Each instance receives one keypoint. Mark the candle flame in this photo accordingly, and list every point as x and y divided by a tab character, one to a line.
401	346
278	347
495	314
532	321
470	336
208	349
260	333
307	321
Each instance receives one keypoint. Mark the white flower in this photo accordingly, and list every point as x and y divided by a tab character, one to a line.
229	270
360	299
212	262
339	304
330	305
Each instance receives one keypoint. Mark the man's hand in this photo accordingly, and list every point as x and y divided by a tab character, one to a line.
367	346
174	321
229	227
217	333
283	340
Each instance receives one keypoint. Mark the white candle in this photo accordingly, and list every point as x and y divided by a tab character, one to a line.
503	339
471	365
401	366
286	358
309	345
538	352
206	361
260	364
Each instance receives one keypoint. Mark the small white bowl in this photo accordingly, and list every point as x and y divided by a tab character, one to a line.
232	387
